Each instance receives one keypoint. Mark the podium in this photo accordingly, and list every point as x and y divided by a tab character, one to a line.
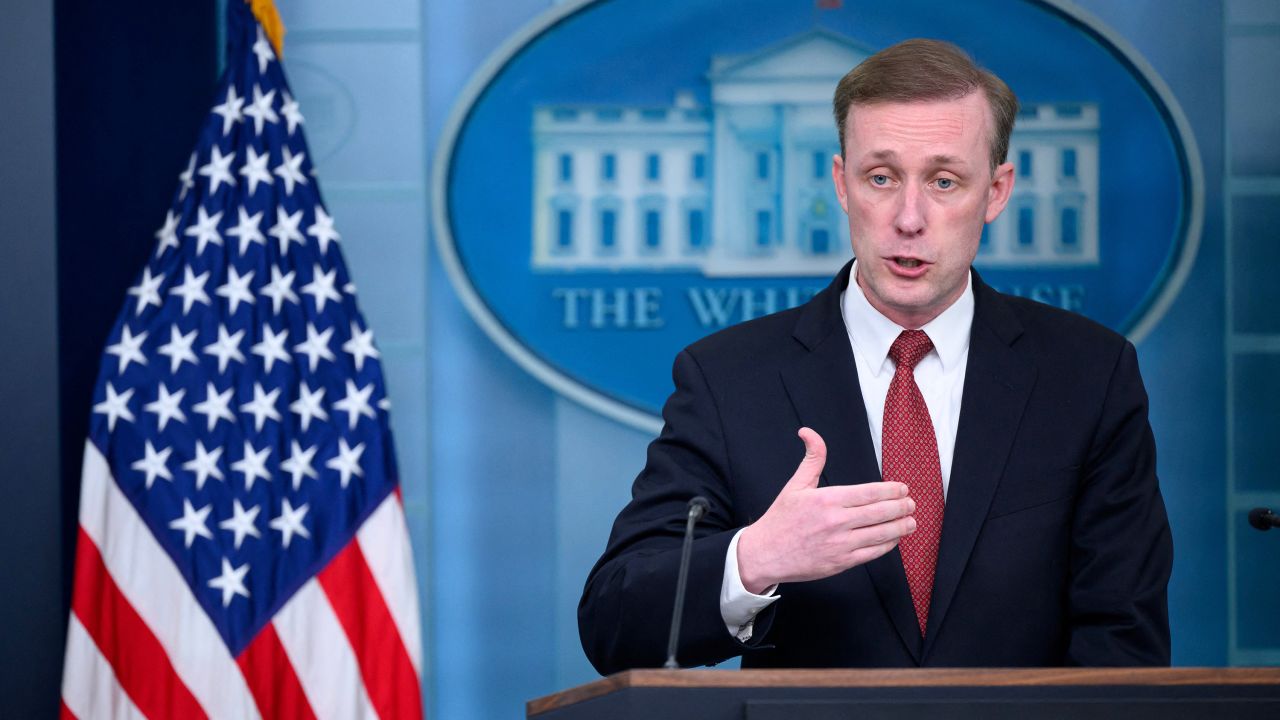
990	694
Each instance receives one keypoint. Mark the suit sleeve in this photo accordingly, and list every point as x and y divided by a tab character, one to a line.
1121	546
625	612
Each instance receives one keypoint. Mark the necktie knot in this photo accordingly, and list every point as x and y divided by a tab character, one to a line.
910	347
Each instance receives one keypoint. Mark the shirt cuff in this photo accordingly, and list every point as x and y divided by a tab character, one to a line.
739	606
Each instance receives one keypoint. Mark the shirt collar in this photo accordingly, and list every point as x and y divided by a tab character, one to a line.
872	334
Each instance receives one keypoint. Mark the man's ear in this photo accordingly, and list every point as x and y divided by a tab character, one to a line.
837	177
1001	190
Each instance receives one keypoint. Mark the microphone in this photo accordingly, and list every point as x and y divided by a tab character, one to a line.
697	506
1263	519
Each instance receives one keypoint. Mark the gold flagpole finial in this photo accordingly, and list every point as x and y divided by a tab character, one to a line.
269	18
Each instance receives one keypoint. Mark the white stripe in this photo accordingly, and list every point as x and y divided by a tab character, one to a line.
321	655
151	582
89	686
384	540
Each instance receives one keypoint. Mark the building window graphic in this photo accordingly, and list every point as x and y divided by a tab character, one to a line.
747	175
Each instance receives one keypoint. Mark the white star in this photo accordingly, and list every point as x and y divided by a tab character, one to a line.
262	406
227	348
321	287
308	405
219	169
263	50
289	523
204	465
215	406
147	290
349	288
242	522
280	289
385	404
253	465
286	229
289	108
322	230
154	464
115	407
230	582
205	229
356	403
179	348
316	346
192	288
236	288
192	522
271	348
298	464
261	110
290	170
187	178
360	345
347	462
168	235
230	109
247	229
255	169
129	349
167	406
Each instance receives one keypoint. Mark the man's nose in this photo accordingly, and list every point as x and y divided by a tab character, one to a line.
910	218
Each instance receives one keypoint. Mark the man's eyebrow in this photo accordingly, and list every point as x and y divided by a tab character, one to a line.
946	160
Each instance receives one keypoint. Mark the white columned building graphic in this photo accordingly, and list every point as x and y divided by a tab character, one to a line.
742	186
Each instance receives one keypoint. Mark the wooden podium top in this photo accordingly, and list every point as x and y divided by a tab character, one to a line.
914	677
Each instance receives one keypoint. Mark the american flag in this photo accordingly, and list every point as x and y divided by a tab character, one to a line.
242	547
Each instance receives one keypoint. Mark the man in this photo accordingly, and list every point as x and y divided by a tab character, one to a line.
1019	523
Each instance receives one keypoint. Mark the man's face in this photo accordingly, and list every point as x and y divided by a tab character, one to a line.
917	185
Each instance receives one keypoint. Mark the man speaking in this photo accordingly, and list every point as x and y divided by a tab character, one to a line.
1019	521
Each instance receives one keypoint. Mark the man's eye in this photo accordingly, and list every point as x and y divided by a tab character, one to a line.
880	180
946	183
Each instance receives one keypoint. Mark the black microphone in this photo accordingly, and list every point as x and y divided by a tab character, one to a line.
1263	519
697	507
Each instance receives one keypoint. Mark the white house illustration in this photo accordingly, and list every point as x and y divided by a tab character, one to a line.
743	186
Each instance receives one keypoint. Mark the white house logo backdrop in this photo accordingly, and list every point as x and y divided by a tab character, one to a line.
625	177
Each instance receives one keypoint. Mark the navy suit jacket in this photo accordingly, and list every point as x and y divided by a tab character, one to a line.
1055	546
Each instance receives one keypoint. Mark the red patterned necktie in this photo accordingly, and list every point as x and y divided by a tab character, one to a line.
910	455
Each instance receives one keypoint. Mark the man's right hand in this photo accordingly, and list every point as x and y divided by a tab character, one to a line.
810	533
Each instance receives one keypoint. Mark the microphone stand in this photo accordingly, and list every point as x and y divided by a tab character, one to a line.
697	506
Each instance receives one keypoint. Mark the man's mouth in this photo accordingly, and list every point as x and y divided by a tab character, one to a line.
907	262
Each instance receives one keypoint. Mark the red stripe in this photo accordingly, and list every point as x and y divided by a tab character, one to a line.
64	712
271	678
388	674
137	657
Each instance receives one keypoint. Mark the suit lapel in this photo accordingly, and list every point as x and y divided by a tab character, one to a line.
823	387
997	383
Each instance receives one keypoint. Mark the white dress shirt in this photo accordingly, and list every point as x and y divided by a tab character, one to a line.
940	376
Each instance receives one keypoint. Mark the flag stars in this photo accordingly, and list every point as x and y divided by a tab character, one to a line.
179	348
227	348
192	288
253	466
271	348
218	169
216	406
154	464
187	180
286	229
262	48
231	582
289	522
347	461
129	349
168	233
255	170
247	229
316	346
289	108
290	170
147	290
230	109
167	406
115	407
360	346
308	405
280	289
192	523
298	464
205	465
261	110
242	522
236	289
321	287
262	407
356	403
205	229
322	230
